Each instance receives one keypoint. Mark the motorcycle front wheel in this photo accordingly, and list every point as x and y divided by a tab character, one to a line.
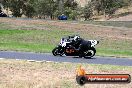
56	51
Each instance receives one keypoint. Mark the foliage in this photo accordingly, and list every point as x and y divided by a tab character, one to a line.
45	7
28	9
70	7
71	3
106	7
15	6
88	11
54	8
40	8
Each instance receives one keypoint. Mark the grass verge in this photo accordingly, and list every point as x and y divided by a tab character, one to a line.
43	36
30	40
23	74
127	24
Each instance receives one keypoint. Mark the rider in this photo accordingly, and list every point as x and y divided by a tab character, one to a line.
81	45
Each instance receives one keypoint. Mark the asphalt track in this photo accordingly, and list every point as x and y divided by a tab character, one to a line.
50	57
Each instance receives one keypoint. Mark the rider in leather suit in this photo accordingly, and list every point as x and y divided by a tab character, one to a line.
81	45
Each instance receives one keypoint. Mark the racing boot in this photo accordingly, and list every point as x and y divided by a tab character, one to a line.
81	53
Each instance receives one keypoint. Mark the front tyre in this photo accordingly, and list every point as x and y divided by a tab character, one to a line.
90	53
55	51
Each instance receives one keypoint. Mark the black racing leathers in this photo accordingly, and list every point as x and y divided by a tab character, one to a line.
82	45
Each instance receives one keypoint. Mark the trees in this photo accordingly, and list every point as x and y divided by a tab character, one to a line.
54	8
88	11
15	6
105	7
71	4
67	7
30	8
29	11
41	8
45	7
71	9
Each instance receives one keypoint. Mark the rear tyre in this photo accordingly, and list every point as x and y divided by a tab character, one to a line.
90	52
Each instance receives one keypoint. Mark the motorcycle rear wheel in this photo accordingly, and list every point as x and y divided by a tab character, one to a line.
90	53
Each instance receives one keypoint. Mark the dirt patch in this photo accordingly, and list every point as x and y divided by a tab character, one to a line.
86	29
23	74
114	41
123	18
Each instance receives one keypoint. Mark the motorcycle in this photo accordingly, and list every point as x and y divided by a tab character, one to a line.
66	47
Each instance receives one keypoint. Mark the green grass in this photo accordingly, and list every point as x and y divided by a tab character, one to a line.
30	40
28	47
119	48
114	52
45	40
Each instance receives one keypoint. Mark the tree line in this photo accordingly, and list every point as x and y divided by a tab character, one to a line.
54	8
41	8
104	7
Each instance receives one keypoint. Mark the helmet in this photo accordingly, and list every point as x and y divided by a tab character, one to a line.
76	37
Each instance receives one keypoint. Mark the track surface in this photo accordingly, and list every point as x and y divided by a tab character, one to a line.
50	57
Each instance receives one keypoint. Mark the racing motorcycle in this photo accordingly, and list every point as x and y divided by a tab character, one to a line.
66	47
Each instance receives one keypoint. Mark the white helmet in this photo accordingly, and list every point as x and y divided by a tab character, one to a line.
76	37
